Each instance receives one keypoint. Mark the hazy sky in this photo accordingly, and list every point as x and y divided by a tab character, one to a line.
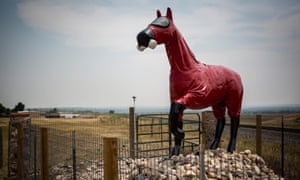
74	53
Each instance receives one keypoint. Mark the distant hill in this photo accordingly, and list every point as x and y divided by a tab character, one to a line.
280	109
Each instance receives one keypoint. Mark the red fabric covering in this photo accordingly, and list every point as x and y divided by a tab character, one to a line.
194	84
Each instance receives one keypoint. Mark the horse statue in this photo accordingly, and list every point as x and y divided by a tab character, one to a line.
193	84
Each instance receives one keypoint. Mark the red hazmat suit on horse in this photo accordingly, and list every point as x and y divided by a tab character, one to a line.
193	84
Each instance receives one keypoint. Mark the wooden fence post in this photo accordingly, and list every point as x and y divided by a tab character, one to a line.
282	146
258	134
20	151
203	130
131	132
110	158
17	145
202	145
74	154
44	153
1	149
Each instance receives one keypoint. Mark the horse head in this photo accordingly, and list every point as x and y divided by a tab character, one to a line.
158	31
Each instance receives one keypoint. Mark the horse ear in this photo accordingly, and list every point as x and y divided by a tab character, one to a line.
169	13
158	14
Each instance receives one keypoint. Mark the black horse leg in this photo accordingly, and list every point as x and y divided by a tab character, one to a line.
176	109
175	126
235	122
219	130
176	148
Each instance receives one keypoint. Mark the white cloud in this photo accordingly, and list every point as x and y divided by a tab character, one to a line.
82	24
259	40
242	25
115	25
88	24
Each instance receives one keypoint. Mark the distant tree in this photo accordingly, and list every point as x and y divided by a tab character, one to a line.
19	107
111	111
4	111
7	111
54	110
2	108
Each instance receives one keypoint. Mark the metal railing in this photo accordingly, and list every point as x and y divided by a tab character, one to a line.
153	137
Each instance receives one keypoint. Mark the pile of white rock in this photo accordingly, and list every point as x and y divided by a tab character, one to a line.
218	164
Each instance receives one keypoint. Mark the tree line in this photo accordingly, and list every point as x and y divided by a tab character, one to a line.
4	111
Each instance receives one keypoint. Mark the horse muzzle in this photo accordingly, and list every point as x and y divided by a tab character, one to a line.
146	39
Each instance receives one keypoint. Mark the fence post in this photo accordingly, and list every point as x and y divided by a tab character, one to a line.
131	132
35	152
110	158
202	145
282	146
1	149
44	153
74	154
20	151
203	129
258	134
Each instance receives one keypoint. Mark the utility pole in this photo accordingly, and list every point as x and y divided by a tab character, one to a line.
132	126
133	97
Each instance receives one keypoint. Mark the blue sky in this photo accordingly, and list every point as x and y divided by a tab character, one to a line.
56	53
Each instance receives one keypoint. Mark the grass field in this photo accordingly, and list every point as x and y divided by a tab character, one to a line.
118	126
105	125
273	120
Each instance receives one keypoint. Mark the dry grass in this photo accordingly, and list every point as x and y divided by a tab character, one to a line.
273	120
271	144
87	128
104	125
118	125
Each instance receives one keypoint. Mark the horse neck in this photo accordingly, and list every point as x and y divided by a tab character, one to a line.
181	58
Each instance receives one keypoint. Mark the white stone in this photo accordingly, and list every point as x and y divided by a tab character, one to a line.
247	151
59	177
218	164
189	173
256	170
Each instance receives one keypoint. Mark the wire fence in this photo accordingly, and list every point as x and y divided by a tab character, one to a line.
79	156
75	148
279	141
71	155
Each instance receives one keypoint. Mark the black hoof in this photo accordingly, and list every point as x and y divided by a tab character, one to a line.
214	144
231	146
175	151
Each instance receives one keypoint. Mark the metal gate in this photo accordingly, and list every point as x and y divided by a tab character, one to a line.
153	138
